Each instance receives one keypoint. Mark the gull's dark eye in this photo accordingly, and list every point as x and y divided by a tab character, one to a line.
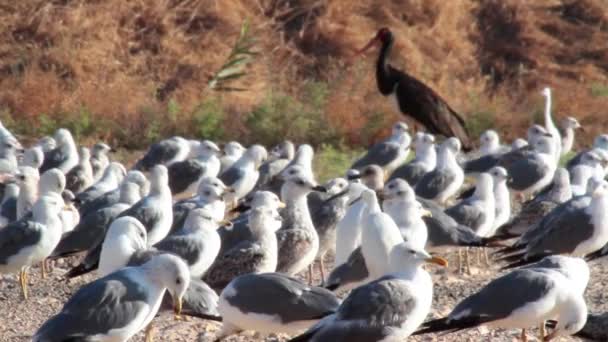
391	186
207	193
300	182
178	281
141	235
412	252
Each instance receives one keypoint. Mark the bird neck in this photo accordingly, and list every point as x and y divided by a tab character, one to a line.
446	159
567	140
386	83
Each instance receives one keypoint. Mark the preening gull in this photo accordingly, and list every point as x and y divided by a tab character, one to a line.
63	157
259	254
233	150
532	211
577	229
8	206
272	303
447	177
298	241
424	162
521	299
155	211
388	154
165	152
387	309
99	159
401	205
112	176
26	242
119	305
80	176
243	174
92	228
27	178
568	125
197	242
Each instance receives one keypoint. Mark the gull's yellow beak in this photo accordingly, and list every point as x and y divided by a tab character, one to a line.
426	213
177	307
282	204
438	261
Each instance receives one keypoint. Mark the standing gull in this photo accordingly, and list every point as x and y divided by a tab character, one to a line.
502	198
568	126
233	150
521	299
27	242
99	159
33	157
116	307
244	174
348	230
424	162
298	241
28	179
532	211
155	210
80	176
110	180
272	303
550	126
63	157
447	177
185	176
534	171
165	152
390	153
388	309
256	255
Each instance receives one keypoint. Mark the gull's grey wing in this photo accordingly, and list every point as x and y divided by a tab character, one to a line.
380	154
182	174
18	235
433	183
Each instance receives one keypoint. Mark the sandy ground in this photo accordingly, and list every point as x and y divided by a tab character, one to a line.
19	319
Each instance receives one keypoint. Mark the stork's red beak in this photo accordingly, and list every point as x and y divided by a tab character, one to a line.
368	46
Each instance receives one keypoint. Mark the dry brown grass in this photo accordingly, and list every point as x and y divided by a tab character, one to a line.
127	61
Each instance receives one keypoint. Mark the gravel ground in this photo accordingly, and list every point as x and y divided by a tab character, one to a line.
19	319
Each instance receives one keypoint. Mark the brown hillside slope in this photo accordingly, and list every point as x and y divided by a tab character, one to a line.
139	58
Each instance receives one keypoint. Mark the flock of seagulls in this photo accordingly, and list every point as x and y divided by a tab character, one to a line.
220	233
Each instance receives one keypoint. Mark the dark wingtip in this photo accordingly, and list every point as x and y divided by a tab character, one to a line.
331	287
80	270
204	316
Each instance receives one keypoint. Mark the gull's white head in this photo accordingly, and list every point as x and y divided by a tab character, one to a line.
140	179
546	92
601	141
398	189
131	229
52	180
451	144
258	154
173	274
63	137
264	219
405	255
234	148
499	174
336	186
159	178
266	199
208	148
570	123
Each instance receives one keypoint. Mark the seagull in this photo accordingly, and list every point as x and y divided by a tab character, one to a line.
233	150
372	176
8	206
33	157
63	157
490	143
532	211
272	303
534	171
27	242
521	299
47	143
119	305
424	162
270	171
243	175
185	176
27	178
581	174
155	211
447	177
303	157
401	205
298	241
99	159
578	227
348	230
600	142
80	176
238	230
197	242
259	254
165	152
327	215
556	138
479	210
568	125
52	182
125	245
91	230
388	309
113	196
112	176
502	198
390	153
8	156
211	194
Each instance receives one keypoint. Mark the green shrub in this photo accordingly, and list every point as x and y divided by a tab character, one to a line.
208	119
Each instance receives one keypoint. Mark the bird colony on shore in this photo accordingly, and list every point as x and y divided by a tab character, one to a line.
219	233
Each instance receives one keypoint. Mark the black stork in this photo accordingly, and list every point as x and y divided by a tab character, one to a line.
413	97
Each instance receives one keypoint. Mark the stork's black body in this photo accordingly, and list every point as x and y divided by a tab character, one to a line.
414	98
